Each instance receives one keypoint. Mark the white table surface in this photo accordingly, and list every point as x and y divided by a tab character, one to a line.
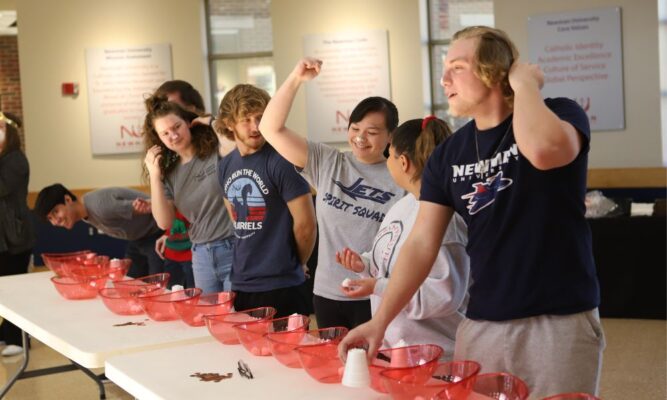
82	330
165	374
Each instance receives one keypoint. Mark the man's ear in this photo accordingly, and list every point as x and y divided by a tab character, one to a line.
228	124
68	199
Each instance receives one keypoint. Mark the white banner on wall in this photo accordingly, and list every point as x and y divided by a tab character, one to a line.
355	66
581	56
118	81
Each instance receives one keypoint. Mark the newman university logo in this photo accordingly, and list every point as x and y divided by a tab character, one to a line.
484	193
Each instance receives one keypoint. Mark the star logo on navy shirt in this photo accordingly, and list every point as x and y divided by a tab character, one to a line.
485	192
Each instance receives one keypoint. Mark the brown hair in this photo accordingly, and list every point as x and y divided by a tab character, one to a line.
494	56
12	138
417	142
204	140
242	100
188	94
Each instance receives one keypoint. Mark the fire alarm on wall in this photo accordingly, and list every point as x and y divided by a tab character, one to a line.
70	89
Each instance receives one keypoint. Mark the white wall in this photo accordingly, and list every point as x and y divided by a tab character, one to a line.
640	144
7	4
52	38
293	19
54	34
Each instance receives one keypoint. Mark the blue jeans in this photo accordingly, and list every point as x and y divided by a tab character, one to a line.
212	264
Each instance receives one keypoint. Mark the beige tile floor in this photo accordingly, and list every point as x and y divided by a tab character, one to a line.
634	368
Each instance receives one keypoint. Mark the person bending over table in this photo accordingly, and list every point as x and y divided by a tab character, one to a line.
112	211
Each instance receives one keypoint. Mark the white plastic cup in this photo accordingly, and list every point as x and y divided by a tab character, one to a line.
356	373
294	322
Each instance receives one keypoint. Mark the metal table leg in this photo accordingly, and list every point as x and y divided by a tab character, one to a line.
24	365
96	378
23	374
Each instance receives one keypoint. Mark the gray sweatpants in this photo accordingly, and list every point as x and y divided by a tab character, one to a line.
551	353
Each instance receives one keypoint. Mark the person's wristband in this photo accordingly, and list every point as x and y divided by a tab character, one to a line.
210	123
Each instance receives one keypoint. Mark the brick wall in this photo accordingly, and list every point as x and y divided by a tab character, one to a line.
10	80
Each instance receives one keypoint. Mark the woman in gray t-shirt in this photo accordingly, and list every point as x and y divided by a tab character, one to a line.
354	188
181	162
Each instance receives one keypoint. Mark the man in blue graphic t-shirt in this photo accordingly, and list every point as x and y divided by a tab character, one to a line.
272	209
517	174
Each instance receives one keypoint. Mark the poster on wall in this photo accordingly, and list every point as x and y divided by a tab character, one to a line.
355	66
119	79
581	56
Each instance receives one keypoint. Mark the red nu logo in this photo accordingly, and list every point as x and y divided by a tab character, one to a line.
129	131
341	116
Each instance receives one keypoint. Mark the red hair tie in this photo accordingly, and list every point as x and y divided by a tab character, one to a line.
426	120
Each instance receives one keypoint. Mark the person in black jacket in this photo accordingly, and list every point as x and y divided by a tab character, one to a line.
17	235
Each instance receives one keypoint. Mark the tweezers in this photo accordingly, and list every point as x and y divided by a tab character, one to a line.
244	370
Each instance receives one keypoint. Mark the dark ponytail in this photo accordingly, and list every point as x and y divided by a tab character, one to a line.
417	138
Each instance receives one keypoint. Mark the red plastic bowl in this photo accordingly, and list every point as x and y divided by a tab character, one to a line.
321	362
572	396
83	273
252	334
160	307
82	254
423	358
221	326
449	381
497	384
283	344
192	312
94	260
92	266
122	303
143	284
54	261
73	289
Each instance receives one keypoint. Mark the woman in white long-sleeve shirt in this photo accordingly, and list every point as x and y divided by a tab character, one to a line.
434	312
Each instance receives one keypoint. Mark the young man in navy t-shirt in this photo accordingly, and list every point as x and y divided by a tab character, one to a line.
272	209
517	175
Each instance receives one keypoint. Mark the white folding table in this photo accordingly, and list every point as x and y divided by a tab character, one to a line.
84	331
166	374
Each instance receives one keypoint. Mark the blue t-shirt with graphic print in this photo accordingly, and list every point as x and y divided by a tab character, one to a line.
258	187
529	243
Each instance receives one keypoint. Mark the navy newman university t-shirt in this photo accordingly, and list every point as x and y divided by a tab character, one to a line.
258	186
529	243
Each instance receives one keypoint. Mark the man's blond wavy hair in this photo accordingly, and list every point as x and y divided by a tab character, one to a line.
494	56
241	100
